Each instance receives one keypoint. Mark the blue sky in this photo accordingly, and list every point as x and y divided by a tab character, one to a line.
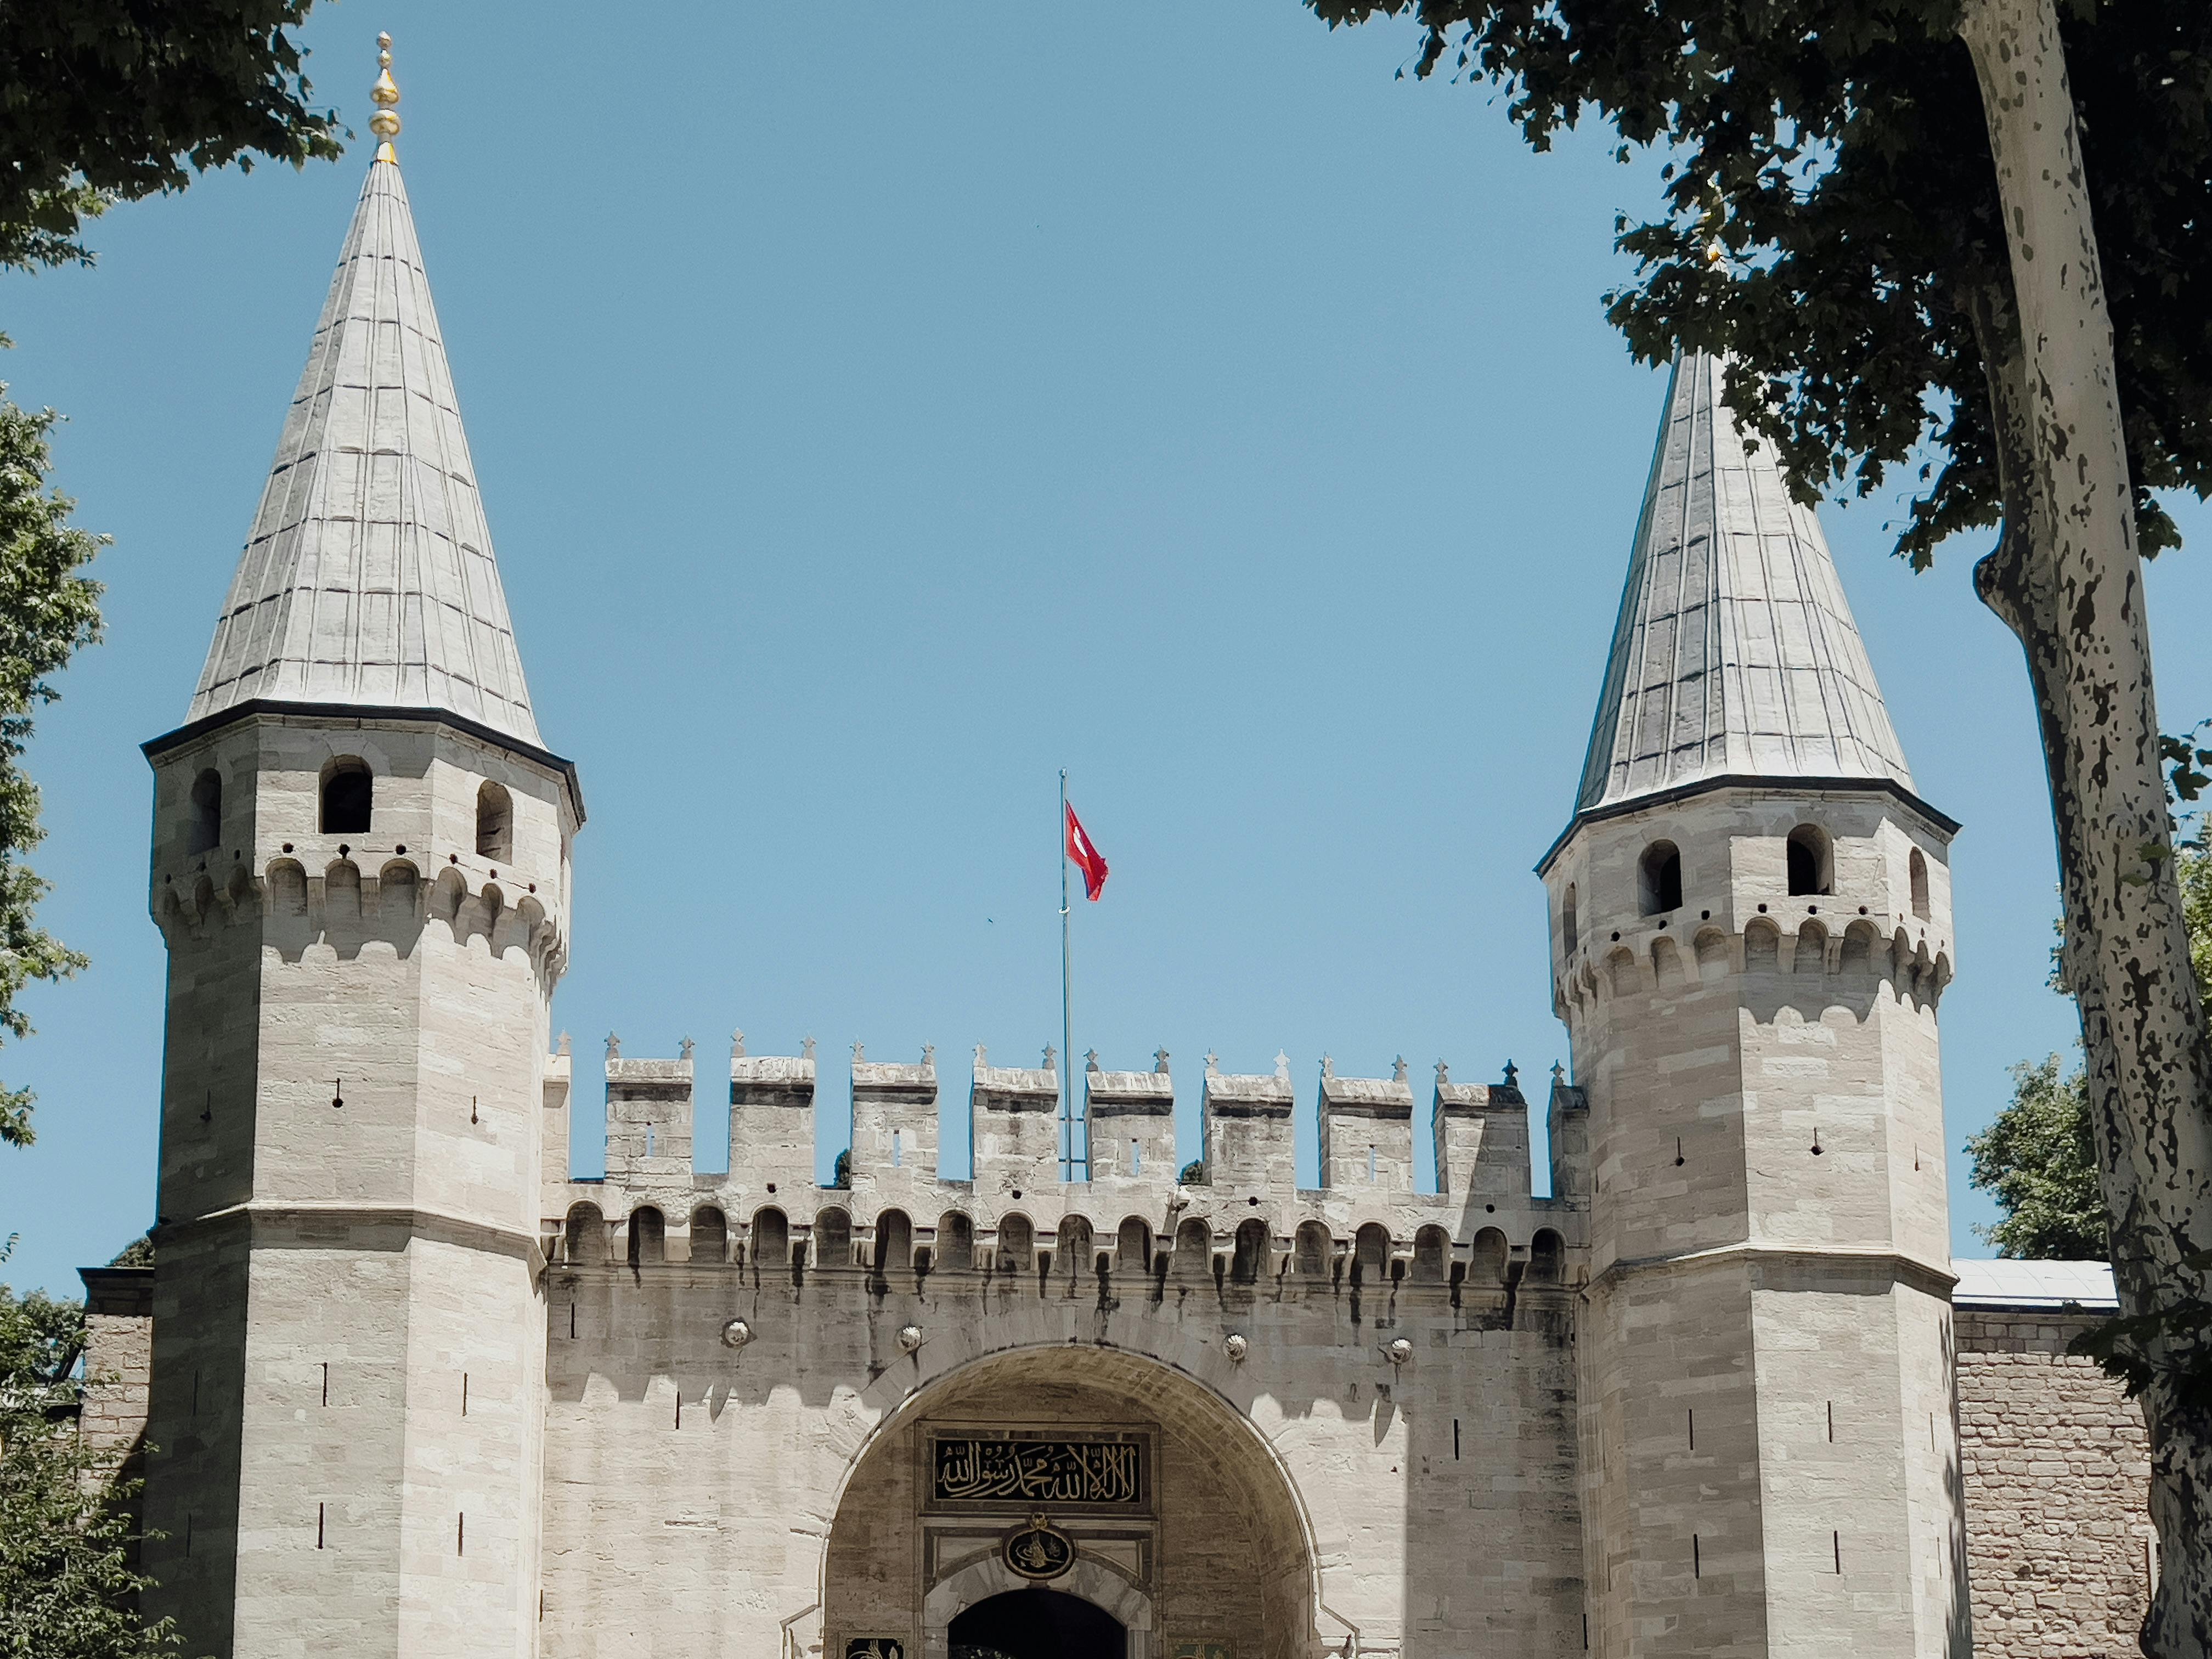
879	410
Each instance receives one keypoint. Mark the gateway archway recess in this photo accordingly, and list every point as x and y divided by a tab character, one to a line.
1178	1523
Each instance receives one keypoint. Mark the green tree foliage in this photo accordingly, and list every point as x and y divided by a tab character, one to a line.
1969	236
1831	218
108	100
2039	1159
68	1590
48	609
100	102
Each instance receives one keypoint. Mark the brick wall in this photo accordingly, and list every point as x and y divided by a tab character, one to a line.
2056	1472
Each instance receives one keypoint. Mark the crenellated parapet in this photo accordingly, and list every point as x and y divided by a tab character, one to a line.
1239	1215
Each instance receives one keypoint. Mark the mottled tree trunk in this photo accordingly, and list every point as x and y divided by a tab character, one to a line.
2068	581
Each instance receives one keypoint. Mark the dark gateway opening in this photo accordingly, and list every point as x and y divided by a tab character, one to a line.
1037	1624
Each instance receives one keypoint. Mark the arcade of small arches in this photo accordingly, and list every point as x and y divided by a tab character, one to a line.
1858	954
1252	1254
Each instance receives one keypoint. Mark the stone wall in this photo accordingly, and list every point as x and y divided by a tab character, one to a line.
2057	1470
708	1499
118	1357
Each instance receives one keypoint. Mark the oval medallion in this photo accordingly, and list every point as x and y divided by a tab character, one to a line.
1039	1550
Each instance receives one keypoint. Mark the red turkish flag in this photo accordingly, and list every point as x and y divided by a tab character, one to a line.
1086	858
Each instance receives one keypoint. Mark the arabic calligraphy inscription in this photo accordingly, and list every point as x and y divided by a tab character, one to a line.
973	1469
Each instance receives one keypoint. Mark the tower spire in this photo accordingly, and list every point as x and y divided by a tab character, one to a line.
368	578
1735	653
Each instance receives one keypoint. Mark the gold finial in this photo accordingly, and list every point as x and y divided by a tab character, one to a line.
1715	217
384	124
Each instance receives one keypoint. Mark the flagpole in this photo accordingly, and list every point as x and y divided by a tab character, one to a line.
1067	1041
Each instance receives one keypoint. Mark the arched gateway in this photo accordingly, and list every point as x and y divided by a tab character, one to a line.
1069	1502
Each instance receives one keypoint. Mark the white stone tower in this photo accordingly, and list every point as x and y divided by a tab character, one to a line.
1751	931
361	868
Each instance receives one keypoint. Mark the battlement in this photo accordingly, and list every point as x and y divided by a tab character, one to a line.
895	1212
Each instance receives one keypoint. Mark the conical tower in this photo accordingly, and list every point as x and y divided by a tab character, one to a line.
361	870
1751	934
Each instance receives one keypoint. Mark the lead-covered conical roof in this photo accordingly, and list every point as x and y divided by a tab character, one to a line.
1735	653
368	578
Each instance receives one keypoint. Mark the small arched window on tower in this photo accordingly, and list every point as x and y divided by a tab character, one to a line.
1570	936
1812	871
207	813
1660	879
495	823
349	791
1919	873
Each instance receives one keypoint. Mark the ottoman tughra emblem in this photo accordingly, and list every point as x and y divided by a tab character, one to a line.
1039	1550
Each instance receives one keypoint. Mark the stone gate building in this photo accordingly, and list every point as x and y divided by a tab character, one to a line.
414	1390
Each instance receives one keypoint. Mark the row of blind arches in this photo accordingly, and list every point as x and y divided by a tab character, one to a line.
347	802
1136	1249
1811	865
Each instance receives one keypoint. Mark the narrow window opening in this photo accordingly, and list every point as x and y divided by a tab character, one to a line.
1919	873
318	1526
898	1154
1136	1156
1692	1417
679	1408
1455	1440
1570	933
460	1534
207	813
188	1532
572	1322
1678	1151
1837	1538
1371	1163
348	798
464	1394
196	1394
1586	1633
1831	1422
1811	872
1697	1560
1661	881
648	1140
495	823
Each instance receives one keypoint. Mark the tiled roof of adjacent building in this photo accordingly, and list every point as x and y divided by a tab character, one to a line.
1735	653
2034	1284
369	577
